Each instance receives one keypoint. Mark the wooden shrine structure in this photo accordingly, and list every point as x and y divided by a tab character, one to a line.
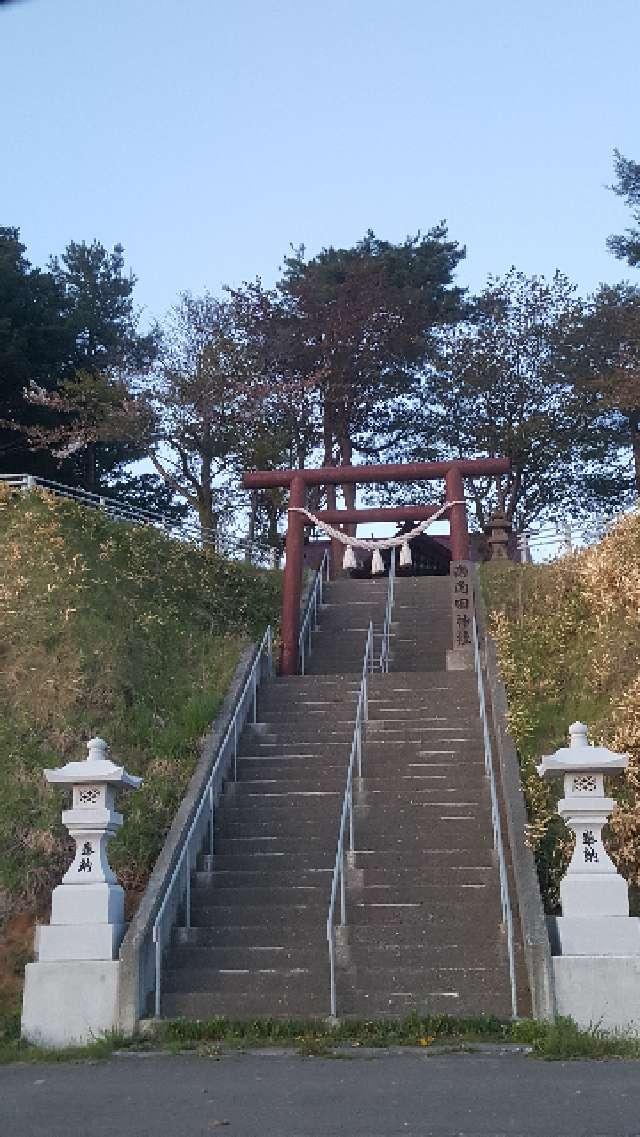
452	473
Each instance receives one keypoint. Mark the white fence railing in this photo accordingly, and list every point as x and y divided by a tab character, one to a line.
338	879
562	538
187	529
176	899
505	897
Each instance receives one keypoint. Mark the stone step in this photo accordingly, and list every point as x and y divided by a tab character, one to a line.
316	849
262	863
274	1003
305	683
209	893
363	957
304	731
231	936
240	879
251	796
322	780
416	811
438	755
423	729
332	752
428	893
288	981
391	861
282	815
187	955
276	699
399	791
465	1000
319	718
259	915
440	930
478	914
421	980
284	829
424	755
447	876
462	682
403	782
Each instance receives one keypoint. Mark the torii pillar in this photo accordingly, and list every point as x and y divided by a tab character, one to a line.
452	472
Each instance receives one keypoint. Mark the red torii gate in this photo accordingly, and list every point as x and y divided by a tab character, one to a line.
453	473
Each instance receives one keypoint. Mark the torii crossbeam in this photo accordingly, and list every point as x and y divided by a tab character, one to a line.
452	472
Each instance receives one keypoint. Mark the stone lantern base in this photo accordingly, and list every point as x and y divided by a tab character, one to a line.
599	991
596	967
70	1004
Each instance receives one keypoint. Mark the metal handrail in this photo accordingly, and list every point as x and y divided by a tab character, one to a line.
201	830
386	630
119	510
355	758
314	603
505	898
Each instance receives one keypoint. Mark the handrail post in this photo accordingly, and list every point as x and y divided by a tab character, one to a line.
158	967
505	899
338	879
201	832
332	971
188	889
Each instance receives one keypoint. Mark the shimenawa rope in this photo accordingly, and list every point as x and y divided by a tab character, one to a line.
373	545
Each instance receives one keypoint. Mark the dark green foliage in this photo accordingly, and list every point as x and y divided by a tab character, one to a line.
602	360
626	246
70	337
366	317
493	388
34	347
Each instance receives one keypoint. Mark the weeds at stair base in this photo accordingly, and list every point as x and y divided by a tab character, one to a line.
210	1038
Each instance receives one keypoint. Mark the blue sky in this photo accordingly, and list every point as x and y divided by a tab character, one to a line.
207	136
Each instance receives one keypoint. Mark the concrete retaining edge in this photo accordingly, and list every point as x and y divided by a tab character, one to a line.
535	938
135	976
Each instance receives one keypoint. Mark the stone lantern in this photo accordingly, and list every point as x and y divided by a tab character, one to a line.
70	992
499	532
596	944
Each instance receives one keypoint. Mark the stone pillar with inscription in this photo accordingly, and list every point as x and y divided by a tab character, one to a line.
595	943
70	994
460	656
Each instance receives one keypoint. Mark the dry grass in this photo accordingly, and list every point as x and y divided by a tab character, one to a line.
568	637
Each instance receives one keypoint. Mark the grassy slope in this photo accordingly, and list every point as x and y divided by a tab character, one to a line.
568	637
114	630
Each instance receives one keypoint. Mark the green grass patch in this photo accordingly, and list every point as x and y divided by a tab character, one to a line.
109	629
559	1041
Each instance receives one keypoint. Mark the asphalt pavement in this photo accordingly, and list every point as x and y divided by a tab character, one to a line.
258	1094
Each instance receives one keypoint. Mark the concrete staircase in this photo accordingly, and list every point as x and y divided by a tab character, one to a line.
257	945
423	907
